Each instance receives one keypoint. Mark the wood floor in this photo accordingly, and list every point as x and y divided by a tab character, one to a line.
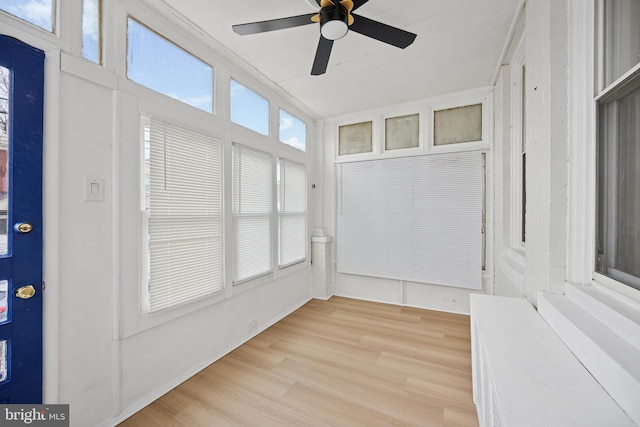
340	362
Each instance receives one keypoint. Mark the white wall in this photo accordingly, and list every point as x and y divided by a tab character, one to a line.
542	263
101	356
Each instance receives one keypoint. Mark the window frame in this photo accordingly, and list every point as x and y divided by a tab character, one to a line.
585	84
518	137
280	214
100	29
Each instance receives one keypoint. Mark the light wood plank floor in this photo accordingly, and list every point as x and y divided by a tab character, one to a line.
340	362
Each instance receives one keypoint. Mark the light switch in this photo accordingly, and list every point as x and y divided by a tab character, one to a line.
94	189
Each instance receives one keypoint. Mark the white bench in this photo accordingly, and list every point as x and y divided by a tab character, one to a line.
524	375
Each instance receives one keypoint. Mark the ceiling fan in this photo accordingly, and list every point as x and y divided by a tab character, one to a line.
335	20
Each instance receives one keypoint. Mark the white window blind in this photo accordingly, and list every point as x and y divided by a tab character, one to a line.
292	204
252	213
183	205
416	219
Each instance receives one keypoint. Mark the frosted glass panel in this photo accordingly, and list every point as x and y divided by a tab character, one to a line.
402	132
5	129
356	138
4	300
3	361
455	125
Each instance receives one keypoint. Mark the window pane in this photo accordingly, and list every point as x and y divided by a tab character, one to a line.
356	138
402	132
183	207
622	37
252	213
37	12
158	64
292	207
249	109
91	30
455	125
619	189
293	131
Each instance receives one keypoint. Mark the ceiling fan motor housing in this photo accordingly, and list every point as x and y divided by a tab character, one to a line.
334	22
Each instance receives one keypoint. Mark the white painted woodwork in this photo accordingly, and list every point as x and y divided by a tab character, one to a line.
603	331
524	375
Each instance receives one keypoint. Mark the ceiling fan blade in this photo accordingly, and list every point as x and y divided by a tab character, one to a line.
273	24
383	32
326	3
323	53
358	3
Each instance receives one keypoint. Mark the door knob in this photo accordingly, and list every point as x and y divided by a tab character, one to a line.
25	292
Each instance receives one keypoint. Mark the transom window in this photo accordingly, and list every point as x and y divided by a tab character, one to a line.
293	131
249	109
36	12
158	64
92	30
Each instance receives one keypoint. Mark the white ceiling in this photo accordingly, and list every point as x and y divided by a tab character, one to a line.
459	46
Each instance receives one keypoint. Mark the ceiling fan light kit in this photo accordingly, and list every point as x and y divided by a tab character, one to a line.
333	23
335	20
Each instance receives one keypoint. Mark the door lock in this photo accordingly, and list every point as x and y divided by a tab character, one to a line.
24	227
25	292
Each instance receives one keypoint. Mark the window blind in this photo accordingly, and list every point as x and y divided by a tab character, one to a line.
183	205
252	213
292	204
415	219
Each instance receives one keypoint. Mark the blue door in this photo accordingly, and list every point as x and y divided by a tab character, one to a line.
21	114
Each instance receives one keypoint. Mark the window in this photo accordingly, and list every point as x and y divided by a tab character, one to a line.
292	212
618	149
183	206
249	109
36	12
252	213
355	138
456	125
158	64
293	131
402	132
92	30
518	157
416	219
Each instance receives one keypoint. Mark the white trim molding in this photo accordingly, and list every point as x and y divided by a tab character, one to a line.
582	170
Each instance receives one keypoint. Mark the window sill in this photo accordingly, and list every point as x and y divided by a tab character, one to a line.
147	321
243	287
616	287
